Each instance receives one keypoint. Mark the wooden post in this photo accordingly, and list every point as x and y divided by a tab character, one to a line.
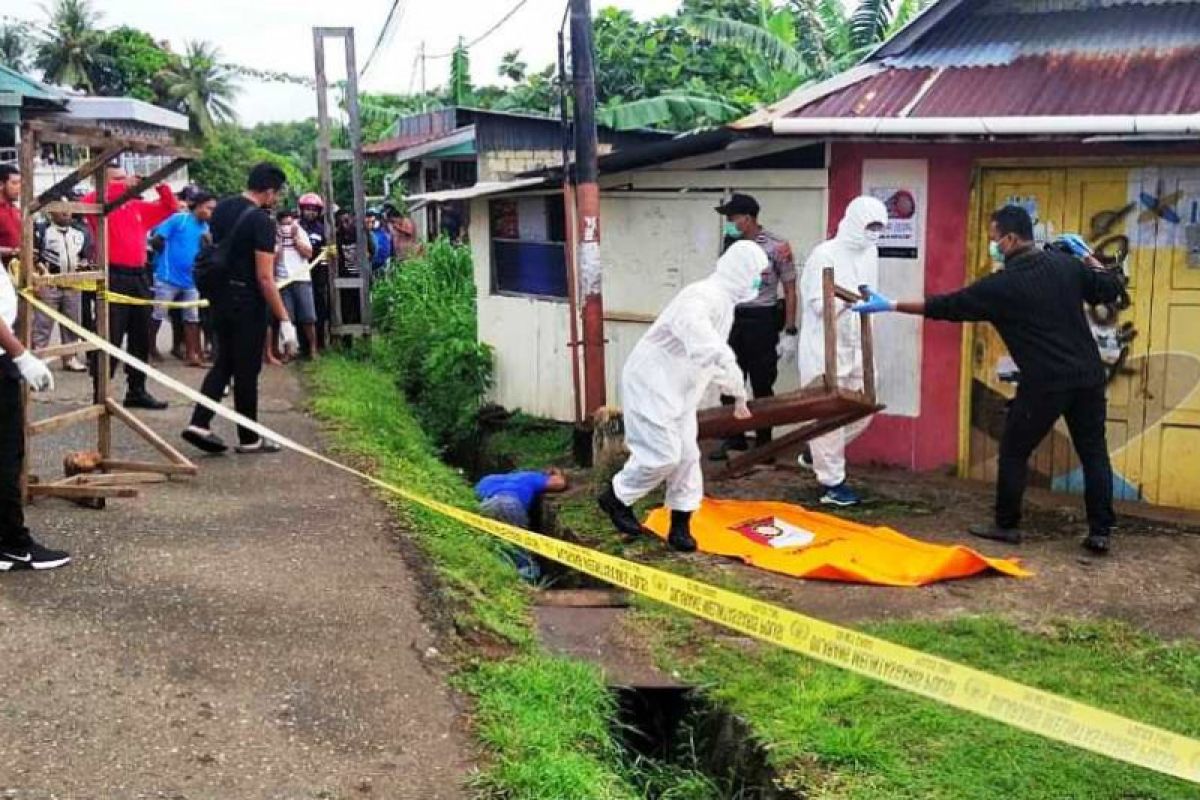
363	251
324	167
868	357
103	360
24	310
830	322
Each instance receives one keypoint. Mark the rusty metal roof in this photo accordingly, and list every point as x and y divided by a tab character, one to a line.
1034	58
1033	86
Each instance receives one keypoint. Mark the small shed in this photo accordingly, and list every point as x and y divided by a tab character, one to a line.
660	231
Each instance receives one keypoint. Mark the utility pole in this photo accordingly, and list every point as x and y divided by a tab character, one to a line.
422	67
587	199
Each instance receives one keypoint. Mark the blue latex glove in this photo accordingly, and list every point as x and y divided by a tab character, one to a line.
874	302
1075	243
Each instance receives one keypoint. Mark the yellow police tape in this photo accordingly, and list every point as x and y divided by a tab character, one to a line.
124	299
944	681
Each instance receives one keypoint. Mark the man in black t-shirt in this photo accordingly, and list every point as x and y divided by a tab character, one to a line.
239	314
1036	306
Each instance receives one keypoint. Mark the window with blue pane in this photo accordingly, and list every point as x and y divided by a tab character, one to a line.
528	246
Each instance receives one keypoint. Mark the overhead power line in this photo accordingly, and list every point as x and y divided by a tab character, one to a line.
486	33
394	15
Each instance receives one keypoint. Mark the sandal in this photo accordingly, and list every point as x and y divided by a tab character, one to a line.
204	439
261	446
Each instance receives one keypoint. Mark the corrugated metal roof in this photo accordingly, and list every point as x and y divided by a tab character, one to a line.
884	95
1047	6
987	39
14	82
1032	86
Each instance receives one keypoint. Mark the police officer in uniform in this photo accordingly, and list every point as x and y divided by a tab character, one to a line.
758	324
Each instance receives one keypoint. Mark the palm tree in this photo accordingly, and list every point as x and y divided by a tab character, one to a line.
13	47
67	55
202	87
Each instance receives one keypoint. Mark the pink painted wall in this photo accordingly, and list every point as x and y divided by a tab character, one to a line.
930	441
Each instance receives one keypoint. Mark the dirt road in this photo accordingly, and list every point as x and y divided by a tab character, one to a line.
249	633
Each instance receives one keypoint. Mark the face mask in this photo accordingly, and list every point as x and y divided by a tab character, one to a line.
758	284
873	236
731	230
995	252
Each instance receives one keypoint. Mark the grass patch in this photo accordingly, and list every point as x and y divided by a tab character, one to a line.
544	720
527	442
831	734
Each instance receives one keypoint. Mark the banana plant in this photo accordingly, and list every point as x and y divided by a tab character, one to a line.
665	109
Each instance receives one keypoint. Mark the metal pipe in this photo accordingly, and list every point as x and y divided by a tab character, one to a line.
991	126
587	198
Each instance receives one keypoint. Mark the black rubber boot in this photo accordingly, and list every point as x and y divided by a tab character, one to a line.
622	516
680	537
1097	543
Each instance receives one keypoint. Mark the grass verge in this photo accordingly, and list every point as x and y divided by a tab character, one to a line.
543	720
831	734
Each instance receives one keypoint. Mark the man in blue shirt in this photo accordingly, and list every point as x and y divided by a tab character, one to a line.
177	241
511	498
383	241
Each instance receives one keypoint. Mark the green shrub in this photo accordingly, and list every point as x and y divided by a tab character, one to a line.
426	335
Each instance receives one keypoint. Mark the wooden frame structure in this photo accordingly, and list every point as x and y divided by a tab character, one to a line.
115	478
359	286
820	408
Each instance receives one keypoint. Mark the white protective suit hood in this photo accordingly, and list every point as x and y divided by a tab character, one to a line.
854	260
738	269
862	211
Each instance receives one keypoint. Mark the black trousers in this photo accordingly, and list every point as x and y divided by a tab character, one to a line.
754	337
130	322
240	327
1030	417
12	454
320	281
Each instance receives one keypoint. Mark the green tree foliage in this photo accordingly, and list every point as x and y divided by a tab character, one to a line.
425	324
131	64
68	54
227	156
14	47
202	87
461	90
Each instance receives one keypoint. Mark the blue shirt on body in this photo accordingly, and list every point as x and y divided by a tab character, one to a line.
181	242
525	486
383	248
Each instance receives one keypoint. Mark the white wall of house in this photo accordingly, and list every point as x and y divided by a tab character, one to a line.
659	231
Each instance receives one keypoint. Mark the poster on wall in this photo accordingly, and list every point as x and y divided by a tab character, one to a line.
901	237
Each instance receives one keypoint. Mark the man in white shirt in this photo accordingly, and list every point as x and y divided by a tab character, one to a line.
60	249
293	272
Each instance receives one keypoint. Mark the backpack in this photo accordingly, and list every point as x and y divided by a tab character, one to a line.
211	269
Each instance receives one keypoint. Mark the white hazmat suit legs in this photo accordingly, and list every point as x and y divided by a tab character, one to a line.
854	258
669	370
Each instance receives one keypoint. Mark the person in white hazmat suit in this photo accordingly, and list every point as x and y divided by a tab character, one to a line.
854	256
662	384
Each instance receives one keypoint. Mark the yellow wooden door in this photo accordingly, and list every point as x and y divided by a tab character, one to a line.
1169	219
1099	204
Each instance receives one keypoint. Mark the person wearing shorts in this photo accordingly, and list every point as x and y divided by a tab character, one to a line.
294	273
176	242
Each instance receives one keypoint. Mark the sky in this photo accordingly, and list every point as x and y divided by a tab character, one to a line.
276	35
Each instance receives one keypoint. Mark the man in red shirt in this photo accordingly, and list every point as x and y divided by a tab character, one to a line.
128	229
10	215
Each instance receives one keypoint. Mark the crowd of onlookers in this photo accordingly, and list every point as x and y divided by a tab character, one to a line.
266	300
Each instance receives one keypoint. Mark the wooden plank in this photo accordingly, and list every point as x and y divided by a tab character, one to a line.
583	598
741	464
73	207
143	430
51	424
64	350
80	173
148	466
145	183
868	357
68	279
131	478
830	324
79	492
24	329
